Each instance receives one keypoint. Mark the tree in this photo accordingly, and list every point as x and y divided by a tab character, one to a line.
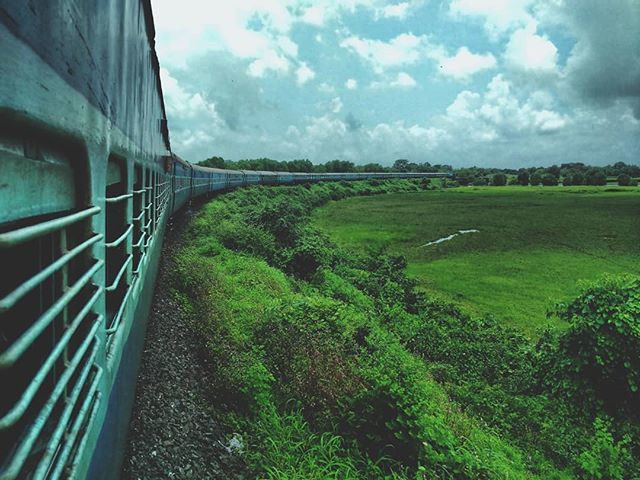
535	179
401	165
213	162
499	180
596	177
598	355
480	182
523	178
566	181
577	179
624	180
372	167
340	166
554	170
300	165
549	180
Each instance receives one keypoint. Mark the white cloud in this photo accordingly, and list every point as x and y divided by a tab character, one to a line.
531	52
399	10
270	61
351	84
304	74
325	87
499	16
288	46
500	113
405	49
335	105
315	15
401	80
465	64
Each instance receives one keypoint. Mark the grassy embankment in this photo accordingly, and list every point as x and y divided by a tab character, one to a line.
534	242
332	365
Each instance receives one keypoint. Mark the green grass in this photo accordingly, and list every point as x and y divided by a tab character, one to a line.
534	243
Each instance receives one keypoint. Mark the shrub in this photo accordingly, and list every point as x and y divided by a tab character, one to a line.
535	179
311	251
499	180
596	177
624	180
523	178
605	458
599	355
549	180
566	181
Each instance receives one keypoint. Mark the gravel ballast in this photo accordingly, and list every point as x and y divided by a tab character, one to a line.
174	432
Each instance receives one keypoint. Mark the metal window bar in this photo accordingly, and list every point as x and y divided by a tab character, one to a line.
16	412
70	470
120	239
115	323
22	235
143	258
19	292
15	351
57	436
123	269
84	417
119	198
22	451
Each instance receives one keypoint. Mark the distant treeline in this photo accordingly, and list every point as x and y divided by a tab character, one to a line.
567	173
304	165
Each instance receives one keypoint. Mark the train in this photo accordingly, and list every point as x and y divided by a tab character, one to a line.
88	181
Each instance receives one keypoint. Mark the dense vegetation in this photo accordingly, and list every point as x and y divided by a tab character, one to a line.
333	365
531	244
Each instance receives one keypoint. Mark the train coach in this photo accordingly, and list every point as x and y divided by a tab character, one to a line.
87	182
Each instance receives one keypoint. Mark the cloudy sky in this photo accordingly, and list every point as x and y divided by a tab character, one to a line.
463	82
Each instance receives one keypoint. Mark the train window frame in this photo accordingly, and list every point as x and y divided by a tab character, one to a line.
49	321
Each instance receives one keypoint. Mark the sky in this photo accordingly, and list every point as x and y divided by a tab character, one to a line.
490	83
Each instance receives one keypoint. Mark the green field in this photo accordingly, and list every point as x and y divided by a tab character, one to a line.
533	244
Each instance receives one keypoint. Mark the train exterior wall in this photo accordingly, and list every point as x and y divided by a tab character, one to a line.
81	78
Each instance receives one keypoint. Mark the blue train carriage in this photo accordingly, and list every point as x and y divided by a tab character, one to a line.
299	177
268	178
83	148
284	178
251	177
182	182
219	178
235	178
203	180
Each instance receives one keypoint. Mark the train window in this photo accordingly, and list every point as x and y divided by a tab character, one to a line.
48	326
118	234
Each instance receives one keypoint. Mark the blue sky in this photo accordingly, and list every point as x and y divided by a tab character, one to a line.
504	83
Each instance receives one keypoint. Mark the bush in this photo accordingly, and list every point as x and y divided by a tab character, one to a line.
535	179
549	180
598	358
624	180
596	177
578	179
566	181
499	180
311	252
605	459
523	178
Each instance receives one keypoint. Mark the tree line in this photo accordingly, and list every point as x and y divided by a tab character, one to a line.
332	166
567	174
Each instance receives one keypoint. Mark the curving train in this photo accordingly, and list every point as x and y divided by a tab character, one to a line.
87	182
